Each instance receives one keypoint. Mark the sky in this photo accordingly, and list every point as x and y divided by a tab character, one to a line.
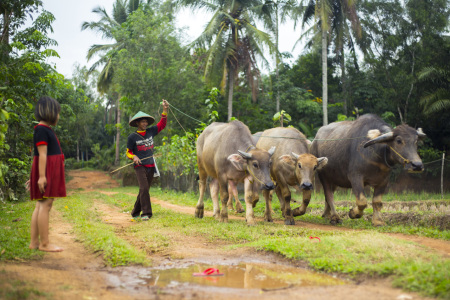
73	44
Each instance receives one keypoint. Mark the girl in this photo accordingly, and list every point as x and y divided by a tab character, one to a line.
47	179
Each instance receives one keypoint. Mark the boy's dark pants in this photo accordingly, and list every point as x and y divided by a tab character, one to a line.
144	176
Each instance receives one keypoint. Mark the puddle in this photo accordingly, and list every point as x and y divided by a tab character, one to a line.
243	276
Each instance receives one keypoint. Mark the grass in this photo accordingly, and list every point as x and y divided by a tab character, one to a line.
353	253
423	228
98	236
15	218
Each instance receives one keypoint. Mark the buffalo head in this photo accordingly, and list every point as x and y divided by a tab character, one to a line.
305	166
257	163
401	143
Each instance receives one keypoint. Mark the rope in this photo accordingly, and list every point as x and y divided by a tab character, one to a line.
185	114
248	169
177	119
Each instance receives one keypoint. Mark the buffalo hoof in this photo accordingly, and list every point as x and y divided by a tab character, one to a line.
297	212
378	223
199	213
353	215
224	219
240	211
268	219
335	220
289	221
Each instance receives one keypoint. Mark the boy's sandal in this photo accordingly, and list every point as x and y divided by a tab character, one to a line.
145	218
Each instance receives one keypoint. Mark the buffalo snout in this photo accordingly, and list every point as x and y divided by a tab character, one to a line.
417	166
269	186
306	186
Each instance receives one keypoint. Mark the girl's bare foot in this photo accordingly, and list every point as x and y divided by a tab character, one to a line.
50	248
34	246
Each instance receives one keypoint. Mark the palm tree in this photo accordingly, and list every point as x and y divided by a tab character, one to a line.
107	26
275	12
330	17
232	41
438	99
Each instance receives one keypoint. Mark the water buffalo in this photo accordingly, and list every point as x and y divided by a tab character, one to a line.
292	166
362	153
232	188
225	152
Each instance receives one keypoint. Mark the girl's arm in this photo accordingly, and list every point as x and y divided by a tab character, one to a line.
42	182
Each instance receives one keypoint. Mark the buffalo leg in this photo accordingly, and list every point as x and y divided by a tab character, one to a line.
214	189
268	211
249	215
377	204
234	192
281	199
330	210
223	185
288	217
299	211
199	209
361	201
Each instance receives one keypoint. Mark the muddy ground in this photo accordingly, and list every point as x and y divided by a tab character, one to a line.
77	273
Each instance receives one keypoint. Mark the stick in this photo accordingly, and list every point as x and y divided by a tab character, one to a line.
133	163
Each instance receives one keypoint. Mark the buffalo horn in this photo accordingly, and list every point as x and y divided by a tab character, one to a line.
295	155
381	139
421	134
245	154
320	159
272	150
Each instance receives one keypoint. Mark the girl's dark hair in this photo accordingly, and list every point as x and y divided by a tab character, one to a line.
47	109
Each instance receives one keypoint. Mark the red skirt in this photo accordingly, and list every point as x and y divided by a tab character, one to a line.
56	181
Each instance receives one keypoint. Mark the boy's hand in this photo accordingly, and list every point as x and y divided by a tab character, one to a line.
136	160
165	104
27	185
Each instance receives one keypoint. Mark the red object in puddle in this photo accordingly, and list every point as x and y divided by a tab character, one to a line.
314	237
209	272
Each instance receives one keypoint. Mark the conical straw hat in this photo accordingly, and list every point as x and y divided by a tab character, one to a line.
141	115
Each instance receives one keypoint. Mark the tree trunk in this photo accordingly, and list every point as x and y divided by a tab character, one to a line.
116	162
230	92
78	151
324	78
344	82
277	62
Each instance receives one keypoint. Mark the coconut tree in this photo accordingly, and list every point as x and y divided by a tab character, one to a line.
330	17
232	41
274	13
106	26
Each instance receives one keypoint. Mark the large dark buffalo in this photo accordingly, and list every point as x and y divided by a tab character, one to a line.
292	165
360	153
226	152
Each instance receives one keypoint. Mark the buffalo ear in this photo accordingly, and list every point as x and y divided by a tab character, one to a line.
237	161
287	159
322	162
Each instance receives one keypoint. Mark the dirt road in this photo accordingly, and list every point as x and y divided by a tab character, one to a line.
77	273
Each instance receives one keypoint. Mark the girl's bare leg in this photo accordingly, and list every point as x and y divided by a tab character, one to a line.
34	243
43	220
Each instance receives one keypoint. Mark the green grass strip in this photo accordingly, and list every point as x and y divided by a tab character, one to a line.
190	199
90	229
15	220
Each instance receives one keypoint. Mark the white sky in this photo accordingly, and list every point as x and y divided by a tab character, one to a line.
73	44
